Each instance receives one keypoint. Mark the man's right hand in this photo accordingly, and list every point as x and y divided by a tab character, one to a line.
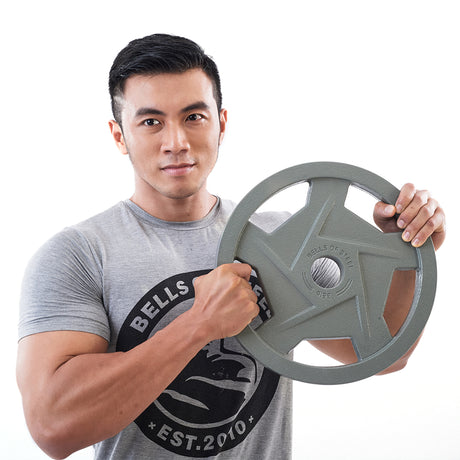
224	300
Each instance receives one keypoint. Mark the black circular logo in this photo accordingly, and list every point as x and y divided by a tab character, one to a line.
219	397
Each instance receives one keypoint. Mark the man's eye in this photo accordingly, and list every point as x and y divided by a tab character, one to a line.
151	122
195	117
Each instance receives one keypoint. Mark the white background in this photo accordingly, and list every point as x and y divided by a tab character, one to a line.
372	83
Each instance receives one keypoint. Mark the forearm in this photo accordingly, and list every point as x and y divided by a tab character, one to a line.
94	396
399	302
399	299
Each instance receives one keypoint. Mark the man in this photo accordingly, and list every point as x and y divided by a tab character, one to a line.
126	332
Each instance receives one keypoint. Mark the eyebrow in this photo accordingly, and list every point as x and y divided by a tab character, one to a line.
199	105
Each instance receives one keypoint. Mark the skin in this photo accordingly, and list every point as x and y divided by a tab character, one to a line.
172	139
76	394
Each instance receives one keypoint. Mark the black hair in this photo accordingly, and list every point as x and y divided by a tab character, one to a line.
156	54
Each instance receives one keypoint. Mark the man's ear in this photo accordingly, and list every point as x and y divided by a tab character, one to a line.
118	137
223	124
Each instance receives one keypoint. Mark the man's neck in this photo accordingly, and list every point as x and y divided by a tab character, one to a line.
177	209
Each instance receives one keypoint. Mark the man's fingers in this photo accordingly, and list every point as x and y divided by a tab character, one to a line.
412	209
384	211
412	220
406	195
384	216
420	216
240	269
417	234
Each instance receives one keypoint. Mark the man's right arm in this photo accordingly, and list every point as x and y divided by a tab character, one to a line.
75	394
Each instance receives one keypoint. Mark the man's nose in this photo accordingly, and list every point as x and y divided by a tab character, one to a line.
174	139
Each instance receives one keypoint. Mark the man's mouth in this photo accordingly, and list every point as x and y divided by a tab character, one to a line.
178	169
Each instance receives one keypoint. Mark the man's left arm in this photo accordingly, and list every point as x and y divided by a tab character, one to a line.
418	216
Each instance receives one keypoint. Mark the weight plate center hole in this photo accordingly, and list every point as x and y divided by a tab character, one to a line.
326	272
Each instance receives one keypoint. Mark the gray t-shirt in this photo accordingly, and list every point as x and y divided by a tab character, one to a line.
124	275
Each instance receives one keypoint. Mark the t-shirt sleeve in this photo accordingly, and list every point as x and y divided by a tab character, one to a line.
62	288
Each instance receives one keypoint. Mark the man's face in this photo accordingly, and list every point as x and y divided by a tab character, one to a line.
171	131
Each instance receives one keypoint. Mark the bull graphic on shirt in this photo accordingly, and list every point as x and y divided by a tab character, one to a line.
213	386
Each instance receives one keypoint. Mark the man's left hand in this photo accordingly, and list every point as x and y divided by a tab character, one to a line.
420	217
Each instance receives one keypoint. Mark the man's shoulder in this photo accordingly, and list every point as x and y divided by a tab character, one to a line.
105	218
85	232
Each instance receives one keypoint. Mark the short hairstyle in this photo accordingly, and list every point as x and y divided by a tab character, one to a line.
156	54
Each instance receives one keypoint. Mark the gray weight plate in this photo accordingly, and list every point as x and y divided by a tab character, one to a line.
367	258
